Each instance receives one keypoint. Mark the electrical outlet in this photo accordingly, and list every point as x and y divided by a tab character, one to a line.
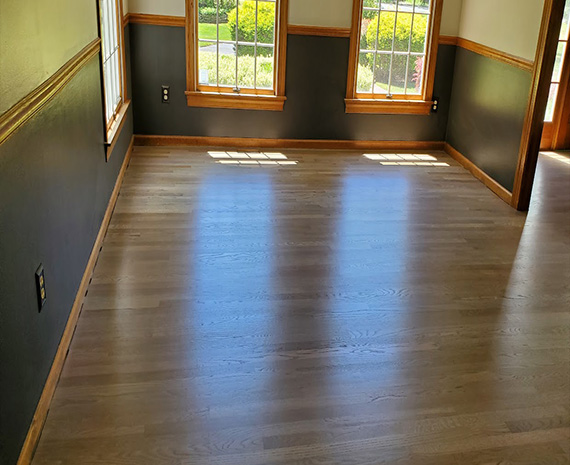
435	105
165	94
41	286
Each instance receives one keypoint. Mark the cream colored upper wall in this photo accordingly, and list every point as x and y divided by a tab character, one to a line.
510	26
37	38
331	13
156	7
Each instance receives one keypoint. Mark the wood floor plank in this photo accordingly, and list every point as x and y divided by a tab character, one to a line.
332	311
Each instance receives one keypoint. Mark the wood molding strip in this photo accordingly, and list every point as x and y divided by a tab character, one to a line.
489	52
448	40
40	415
33	102
321	31
155	20
242	142
534	119
493	185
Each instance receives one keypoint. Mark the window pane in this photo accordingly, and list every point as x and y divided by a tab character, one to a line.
415	74
403	32
265	60
398	74
381	73
551	103
364	76
227	75
565	22
265	22
207	63
246	67
559	61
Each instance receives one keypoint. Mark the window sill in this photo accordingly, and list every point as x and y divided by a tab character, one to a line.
236	101
115	131
392	107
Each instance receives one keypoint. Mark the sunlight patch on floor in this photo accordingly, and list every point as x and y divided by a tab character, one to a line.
251	158
404	159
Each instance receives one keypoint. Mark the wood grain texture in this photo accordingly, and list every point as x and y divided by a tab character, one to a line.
495	54
242	101
322	31
503	193
336	311
247	142
447	40
395	107
16	116
44	403
155	20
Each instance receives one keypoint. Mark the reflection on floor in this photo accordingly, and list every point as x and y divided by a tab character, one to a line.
336	311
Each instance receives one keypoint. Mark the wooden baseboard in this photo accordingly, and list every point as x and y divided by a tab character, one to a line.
241	142
499	190
40	415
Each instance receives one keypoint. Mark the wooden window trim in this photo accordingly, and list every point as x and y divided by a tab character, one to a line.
114	126
273	100
422	104
114	131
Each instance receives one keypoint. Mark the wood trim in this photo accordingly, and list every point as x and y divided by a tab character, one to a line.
536	108
242	142
353	51
433	44
383	106
40	415
448	40
493	185
404	107
321	31
237	101
281	59
155	20
33	102
113	135
489	52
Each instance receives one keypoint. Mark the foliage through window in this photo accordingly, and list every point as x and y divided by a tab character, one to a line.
236	46
393	56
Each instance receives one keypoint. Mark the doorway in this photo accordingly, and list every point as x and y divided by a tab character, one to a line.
556	132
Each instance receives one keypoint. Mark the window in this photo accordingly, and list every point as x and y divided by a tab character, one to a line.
112	62
236	53
392	56
558	66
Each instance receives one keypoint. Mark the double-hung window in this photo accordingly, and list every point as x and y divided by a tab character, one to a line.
392	56
110	12
236	53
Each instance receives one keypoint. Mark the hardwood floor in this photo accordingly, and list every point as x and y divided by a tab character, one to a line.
334	311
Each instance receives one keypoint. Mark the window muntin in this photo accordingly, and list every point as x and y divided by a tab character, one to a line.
393	48
111	56
236	43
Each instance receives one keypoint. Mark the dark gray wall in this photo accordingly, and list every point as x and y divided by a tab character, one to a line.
488	106
55	186
315	89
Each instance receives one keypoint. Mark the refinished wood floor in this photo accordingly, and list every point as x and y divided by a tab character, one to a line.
335	311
